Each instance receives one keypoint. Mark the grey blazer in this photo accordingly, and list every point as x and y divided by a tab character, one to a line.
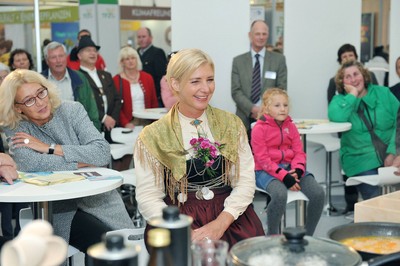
242	71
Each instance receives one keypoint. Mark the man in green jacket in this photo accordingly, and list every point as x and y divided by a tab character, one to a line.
72	85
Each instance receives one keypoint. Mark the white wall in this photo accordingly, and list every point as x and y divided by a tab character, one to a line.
220	29
314	31
394	40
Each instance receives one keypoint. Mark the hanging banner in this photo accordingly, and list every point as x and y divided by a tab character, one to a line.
65	14
144	13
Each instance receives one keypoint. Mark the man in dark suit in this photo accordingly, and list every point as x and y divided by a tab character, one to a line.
107	99
273	73
153	59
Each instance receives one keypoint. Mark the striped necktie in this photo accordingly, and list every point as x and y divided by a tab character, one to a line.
256	81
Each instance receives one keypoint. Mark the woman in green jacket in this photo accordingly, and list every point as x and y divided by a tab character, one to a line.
358	154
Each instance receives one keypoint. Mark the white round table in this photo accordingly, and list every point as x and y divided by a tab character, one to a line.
150	113
42	196
314	126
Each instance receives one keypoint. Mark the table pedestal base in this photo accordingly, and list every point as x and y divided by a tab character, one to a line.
41	210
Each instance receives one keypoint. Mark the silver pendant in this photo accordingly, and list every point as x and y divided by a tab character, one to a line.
182	197
199	195
209	195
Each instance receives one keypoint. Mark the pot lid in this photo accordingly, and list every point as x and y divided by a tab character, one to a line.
292	248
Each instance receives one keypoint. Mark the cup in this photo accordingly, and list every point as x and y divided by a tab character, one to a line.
209	252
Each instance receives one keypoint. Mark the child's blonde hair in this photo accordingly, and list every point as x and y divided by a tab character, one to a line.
267	99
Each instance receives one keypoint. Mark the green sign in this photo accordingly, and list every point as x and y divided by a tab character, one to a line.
65	14
110	2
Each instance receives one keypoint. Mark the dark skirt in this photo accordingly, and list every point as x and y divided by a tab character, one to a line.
204	211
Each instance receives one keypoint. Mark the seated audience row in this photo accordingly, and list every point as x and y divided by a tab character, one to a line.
49	135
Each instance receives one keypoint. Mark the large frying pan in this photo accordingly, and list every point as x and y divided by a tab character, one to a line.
364	229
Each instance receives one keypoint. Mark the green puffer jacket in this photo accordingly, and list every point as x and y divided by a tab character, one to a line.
357	153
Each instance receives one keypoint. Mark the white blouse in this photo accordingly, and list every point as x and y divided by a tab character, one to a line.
137	97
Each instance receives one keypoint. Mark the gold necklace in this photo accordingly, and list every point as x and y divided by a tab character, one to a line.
132	79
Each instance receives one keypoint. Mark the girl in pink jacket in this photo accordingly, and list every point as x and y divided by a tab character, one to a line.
280	162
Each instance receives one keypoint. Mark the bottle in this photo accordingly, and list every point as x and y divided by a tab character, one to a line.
159	240
113	252
179	226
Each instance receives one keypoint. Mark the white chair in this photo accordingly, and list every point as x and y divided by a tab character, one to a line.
331	144
300	208
26	215
126	139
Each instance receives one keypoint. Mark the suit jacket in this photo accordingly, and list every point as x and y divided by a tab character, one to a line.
155	63
113	97
241	78
395	89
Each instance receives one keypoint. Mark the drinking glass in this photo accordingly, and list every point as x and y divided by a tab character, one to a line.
209	252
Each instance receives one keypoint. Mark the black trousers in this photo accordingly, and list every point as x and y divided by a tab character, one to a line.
350	195
86	230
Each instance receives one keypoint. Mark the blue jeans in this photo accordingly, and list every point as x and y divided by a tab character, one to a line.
263	178
368	191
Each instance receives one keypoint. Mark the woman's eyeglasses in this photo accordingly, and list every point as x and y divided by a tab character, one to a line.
31	101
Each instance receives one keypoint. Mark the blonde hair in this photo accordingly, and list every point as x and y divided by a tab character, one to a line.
126	52
8	115
184	63
267	99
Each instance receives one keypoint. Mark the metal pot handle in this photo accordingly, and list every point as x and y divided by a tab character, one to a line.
385	260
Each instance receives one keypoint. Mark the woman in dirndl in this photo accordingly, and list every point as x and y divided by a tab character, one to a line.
198	158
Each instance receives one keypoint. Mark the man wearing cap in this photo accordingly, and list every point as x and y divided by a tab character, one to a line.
72	85
107	99
73	60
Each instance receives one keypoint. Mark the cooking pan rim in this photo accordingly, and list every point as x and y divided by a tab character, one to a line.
381	224
363	254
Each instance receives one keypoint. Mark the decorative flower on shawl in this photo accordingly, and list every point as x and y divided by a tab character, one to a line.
206	151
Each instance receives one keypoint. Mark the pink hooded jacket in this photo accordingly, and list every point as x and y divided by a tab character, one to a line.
274	144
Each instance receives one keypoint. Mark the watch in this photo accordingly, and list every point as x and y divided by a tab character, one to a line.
52	148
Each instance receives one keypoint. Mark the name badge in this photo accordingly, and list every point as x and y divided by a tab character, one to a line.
270	75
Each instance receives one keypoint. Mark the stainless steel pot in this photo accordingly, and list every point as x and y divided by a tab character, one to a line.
364	229
292	248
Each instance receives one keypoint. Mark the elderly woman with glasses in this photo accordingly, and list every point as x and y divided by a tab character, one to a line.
46	134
